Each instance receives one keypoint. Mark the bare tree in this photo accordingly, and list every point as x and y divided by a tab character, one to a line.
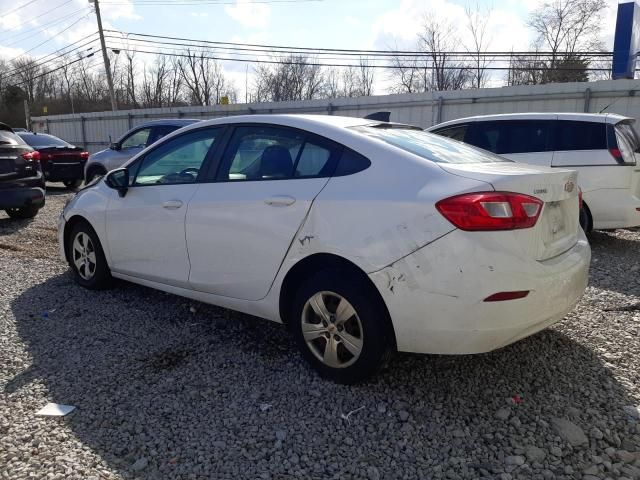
565	28
203	77
477	21
25	73
293	78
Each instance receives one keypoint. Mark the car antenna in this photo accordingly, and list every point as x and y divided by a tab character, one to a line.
612	103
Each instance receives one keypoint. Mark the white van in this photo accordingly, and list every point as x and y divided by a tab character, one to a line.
603	148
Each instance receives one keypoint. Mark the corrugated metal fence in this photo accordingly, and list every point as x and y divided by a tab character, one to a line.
92	130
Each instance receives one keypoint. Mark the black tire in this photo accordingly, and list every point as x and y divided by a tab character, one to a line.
586	222
376	336
23	213
72	184
94	172
100	277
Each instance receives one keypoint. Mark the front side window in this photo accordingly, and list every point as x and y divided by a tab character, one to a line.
512	136
137	139
430	146
272	153
179	160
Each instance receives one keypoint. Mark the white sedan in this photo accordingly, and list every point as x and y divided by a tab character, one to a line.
364	237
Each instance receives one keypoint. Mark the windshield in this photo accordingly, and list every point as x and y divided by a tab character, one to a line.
43	140
430	146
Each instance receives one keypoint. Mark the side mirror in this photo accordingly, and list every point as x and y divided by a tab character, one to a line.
118	180
114	146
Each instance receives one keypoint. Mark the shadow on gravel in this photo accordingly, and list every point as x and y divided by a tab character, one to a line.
219	395
616	263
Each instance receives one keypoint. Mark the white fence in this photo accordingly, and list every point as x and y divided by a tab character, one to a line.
92	130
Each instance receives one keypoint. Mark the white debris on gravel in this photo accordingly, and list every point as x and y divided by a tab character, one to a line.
55	410
174	392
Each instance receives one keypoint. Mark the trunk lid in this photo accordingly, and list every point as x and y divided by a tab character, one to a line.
556	230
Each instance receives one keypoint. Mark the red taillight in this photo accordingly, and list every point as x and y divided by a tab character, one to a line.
84	155
617	154
31	156
502	296
491	211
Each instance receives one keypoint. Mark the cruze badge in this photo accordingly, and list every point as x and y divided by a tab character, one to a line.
568	187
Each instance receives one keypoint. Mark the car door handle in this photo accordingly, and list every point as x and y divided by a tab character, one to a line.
172	204
280	201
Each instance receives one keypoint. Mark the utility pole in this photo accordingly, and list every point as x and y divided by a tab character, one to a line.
27	114
107	64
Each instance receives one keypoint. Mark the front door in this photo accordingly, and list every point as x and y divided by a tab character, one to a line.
239	228
145	228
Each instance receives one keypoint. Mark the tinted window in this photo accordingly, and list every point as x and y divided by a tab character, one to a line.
10	138
512	136
178	160
350	163
270	153
430	146
580	136
456	133
137	139
43	140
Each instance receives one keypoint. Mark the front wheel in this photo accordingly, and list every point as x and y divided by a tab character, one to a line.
341	326
72	184
22	213
86	258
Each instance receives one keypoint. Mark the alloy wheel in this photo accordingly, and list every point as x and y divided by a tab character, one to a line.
84	256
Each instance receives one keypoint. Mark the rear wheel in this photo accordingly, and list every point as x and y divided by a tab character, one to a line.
72	184
22	213
341	326
586	222
86	258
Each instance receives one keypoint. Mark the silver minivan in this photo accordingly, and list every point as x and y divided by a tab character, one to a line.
130	144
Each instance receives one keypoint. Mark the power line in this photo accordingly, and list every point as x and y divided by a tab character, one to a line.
316	64
16	71
361	52
48	40
41	15
49	25
17	8
54	70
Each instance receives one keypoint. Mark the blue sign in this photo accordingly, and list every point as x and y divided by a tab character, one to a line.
627	40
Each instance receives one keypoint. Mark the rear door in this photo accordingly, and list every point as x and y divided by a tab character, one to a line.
524	141
240	225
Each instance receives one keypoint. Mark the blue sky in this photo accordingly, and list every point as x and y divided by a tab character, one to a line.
361	24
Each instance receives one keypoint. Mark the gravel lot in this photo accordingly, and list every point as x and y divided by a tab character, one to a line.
169	388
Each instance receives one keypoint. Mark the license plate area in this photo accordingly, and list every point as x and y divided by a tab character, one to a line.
7	166
555	220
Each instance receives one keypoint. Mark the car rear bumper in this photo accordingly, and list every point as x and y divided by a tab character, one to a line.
435	296
21	197
62	171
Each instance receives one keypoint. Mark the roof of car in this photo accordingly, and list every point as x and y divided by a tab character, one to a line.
591	117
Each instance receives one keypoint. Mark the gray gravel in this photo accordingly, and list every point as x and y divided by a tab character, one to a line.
169	388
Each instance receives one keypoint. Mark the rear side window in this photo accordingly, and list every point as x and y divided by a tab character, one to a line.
430	146
580	136
512	136
43	140
456	133
350	163
10	138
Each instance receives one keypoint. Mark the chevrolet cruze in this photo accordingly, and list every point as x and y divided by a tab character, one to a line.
363	237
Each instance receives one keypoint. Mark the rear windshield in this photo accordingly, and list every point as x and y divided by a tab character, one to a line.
10	138
430	146
40	140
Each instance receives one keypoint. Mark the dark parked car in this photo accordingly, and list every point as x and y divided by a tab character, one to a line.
60	161
21	178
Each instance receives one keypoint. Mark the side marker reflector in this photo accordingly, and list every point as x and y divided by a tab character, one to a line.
502	296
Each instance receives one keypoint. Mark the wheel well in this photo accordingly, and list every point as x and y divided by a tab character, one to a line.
314	263
96	167
589	215
68	228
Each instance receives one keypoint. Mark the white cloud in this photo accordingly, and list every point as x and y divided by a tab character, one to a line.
10	22
248	14
124	9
